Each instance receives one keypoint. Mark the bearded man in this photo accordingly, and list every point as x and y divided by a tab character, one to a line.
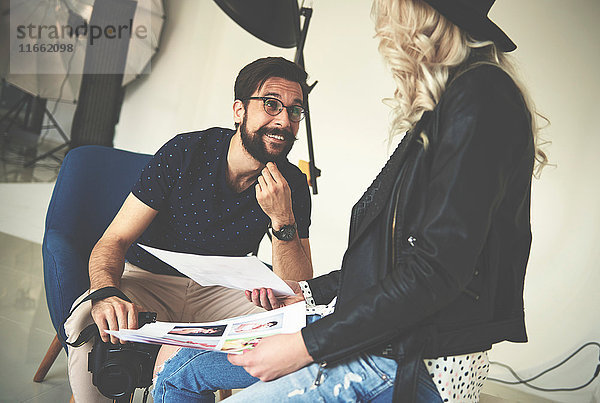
211	192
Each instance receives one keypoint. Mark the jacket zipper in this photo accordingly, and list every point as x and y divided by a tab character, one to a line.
398	196
322	366
395	219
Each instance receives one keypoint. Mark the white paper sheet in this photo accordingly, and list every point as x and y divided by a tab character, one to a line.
242	273
233	335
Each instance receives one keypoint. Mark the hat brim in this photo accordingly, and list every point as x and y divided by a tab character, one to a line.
481	28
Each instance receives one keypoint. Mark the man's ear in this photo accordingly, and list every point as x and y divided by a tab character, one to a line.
238	111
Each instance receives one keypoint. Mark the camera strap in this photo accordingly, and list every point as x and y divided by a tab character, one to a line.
92	330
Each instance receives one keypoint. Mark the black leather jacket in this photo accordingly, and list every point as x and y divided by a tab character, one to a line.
439	242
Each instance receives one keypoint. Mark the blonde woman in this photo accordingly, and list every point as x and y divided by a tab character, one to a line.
434	270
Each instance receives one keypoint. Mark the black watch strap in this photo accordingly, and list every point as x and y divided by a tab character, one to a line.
285	233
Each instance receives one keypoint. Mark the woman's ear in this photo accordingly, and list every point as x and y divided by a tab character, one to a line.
238	111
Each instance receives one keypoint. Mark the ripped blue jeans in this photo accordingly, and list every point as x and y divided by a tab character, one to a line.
193	375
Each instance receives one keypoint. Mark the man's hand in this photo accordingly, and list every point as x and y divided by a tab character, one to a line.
274	357
274	196
113	313
265	298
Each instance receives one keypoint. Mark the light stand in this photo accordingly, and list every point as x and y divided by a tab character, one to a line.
93	72
299	59
26	102
66	141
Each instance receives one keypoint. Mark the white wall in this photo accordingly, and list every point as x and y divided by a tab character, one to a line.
191	87
559	53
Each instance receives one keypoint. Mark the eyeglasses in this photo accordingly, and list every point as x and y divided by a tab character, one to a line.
273	107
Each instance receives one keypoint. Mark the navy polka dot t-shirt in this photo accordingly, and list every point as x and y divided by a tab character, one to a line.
197	211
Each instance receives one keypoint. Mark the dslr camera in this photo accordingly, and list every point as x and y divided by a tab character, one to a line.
118	369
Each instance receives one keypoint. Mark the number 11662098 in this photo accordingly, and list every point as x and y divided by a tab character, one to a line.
46	47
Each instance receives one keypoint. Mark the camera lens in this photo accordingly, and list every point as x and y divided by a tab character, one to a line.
116	380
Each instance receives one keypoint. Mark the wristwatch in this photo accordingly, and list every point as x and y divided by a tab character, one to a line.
285	233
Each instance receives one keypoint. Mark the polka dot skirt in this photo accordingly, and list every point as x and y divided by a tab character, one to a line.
459	378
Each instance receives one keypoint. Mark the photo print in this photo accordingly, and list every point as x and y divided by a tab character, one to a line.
239	345
204	331
258	325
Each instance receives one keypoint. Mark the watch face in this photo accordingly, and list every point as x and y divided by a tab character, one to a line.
286	233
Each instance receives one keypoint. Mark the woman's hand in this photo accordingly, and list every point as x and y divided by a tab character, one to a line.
265	298
274	357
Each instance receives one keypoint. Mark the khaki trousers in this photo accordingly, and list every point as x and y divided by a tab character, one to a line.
174	299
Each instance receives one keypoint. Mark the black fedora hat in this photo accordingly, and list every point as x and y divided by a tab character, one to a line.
471	15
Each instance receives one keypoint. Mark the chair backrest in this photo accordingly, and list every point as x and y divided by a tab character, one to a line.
91	186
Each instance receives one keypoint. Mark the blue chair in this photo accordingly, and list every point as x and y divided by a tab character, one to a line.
91	186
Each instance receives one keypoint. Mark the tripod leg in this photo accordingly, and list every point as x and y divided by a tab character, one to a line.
66	143
16	109
13	108
57	126
45	155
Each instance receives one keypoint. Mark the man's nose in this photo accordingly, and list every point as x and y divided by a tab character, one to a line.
282	119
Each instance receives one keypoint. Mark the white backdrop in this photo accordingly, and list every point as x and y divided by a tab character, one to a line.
191	87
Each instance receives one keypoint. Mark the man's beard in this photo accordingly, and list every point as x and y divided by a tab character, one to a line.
256	147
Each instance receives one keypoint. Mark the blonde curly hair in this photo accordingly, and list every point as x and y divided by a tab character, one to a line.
425	51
